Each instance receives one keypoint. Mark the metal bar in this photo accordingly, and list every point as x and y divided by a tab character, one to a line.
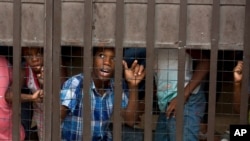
16	121
213	68
56	44
150	44
181	69
48	85
119	31
88	61
246	62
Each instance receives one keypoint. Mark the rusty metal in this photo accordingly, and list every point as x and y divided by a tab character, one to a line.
16	110
150	52
213	67
48	67
87	59
56	71
181	69
246	73
119	27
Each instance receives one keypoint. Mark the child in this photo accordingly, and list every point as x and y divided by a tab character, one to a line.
32	68
237	75
237	86
6	100
102	97
33	80
166	81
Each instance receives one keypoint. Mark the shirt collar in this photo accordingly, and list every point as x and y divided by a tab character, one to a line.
108	91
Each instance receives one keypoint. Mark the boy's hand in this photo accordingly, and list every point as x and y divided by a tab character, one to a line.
238	72
171	110
40	76
135	74
38	96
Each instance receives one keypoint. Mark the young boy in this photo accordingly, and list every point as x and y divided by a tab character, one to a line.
32	68
166	77
33	80
102	97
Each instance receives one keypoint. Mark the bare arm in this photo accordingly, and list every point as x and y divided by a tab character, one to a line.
133	76
64	112
237	86
199	74
35	97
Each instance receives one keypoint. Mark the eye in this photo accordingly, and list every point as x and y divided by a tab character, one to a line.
112	58
101	55
38	54
28	55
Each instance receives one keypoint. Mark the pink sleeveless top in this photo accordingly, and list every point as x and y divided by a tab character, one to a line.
5	108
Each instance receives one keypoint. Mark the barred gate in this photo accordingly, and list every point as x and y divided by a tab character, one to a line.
182	24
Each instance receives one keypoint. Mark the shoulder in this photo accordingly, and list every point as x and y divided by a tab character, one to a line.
3	61
5	72
198	54
74	81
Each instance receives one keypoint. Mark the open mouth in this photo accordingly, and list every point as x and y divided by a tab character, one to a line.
37	68
105	72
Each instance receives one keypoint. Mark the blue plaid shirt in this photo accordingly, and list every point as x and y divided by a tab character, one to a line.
102	109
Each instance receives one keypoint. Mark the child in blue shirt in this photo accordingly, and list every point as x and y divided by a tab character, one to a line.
102	97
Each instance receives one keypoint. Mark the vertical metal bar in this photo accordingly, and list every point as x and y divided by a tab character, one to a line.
88	61
181	68
246	62
16	120
48	85
213	68
56	44
119	32
150	44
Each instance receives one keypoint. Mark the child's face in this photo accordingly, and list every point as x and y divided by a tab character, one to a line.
34	58
104	63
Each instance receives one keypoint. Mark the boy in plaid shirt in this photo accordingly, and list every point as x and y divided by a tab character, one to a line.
102	97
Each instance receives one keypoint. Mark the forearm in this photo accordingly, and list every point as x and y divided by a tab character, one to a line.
130	113
198	76
35	97
63	113
23	97
236	96
27	98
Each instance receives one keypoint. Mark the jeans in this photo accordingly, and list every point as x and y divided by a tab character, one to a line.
193	113
132	134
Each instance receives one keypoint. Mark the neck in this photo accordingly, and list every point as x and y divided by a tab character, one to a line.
101	86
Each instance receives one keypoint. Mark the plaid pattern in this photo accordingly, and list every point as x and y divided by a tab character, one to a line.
102	108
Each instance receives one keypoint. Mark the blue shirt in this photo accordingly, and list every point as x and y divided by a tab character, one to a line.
101	105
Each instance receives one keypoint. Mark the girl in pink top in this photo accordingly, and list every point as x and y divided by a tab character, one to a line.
5	107
6	101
